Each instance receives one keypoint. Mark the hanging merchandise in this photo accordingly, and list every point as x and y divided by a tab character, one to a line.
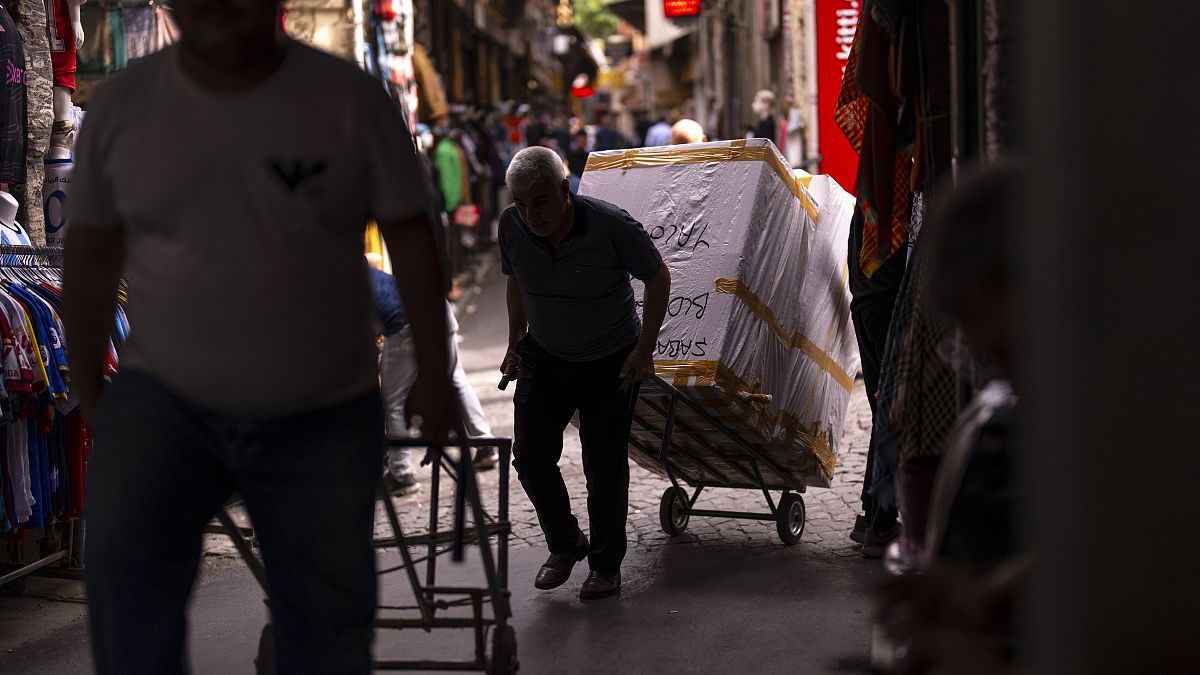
165	30
116	27
11	232
140	35
45	443
871	115
95	57
12	102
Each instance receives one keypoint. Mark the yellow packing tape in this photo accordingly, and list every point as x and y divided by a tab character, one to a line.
794	340
736	151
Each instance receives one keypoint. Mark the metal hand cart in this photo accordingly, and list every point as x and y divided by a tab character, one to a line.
434	603
688	454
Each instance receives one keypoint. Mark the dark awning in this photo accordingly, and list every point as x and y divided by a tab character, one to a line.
632	11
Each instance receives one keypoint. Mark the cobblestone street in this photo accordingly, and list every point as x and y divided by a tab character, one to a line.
830	512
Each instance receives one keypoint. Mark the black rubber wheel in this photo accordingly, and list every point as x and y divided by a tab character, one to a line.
789	519
673	511
264	663
504	652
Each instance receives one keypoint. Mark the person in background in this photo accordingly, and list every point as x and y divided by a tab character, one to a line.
687	131
398	371
955	613
576	344
607	137
252	364
577	153
658	134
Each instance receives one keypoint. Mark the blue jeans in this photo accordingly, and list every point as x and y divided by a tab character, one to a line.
160	470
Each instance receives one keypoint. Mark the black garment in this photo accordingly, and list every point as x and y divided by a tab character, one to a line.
12	102
578	298
980	529
608	138
549	391
871	311
766	129
577	161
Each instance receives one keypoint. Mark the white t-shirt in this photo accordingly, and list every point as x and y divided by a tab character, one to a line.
244	215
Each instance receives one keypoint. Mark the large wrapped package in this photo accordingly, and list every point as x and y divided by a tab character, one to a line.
758	333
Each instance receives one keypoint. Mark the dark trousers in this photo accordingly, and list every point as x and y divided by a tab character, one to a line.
874	298
549	391
162	467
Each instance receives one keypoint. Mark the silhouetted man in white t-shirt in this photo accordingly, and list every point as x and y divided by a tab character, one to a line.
230	178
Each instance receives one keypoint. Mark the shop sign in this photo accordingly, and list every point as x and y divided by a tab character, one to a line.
836	21
673	9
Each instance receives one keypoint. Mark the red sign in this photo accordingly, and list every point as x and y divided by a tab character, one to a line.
836	21
677	8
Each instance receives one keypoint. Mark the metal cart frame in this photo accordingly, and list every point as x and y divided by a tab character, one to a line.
431	598
761	473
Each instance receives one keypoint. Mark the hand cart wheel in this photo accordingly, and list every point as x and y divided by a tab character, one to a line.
504	652
264	663
789	518
673	511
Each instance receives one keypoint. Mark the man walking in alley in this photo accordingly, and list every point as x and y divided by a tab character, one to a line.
576	344
398	369
251	365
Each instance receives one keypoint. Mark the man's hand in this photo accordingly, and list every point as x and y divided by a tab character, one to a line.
78	29
511	364
432	399
639	365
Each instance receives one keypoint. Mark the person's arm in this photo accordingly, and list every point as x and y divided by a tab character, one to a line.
639	365
76	23
517	327
419	277
91	273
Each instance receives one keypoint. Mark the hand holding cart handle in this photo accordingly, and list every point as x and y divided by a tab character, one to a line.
509	368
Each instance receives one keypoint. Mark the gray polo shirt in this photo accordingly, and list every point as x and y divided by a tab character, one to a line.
579	300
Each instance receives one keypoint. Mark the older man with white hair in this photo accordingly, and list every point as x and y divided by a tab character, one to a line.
576	344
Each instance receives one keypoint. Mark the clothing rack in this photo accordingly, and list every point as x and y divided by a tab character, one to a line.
66	562
33	256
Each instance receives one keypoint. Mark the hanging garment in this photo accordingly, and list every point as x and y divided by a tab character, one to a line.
140	35
869	115
12	102
95	57
116	27
44	446
431	95
447	160
166	32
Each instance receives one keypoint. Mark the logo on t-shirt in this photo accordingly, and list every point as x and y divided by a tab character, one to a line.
298	172
13	74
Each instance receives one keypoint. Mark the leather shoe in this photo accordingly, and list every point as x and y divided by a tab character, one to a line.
600	585
557	568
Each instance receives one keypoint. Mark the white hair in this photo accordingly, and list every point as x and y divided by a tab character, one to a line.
532	166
